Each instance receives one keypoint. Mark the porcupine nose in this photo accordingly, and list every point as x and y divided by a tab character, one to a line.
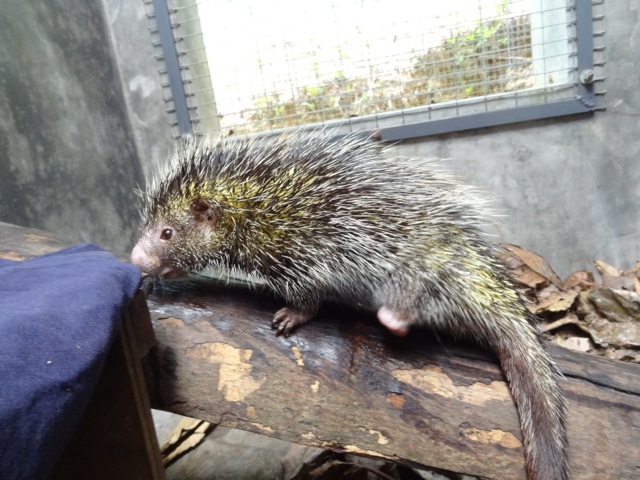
151	264
140	258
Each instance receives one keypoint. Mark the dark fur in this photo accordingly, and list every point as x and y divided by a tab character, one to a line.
318	220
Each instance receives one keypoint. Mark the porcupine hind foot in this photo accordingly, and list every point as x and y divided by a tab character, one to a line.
395	321
287	319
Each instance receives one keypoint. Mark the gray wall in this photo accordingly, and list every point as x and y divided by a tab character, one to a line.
69	160
82	122
569	187
138	66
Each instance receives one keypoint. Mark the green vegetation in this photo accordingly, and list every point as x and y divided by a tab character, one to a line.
494	57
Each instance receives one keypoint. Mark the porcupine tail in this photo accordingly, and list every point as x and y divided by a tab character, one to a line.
533	380
490	309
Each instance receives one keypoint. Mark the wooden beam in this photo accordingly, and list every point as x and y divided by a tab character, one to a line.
341	382
116	437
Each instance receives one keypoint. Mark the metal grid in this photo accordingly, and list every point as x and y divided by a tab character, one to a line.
185	76
374	64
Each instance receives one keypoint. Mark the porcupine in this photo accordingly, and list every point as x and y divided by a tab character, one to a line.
319	219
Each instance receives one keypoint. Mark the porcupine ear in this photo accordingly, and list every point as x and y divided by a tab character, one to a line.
203	211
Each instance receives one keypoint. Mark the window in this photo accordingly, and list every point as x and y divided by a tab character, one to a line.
394	67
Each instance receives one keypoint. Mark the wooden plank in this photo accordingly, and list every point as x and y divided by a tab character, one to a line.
137	340
342	382
116	436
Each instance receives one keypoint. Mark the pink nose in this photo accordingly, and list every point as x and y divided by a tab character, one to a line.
139	257
152	264
148	263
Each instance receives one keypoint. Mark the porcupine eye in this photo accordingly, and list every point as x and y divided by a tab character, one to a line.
166	234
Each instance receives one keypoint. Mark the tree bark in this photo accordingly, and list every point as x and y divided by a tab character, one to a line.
341	382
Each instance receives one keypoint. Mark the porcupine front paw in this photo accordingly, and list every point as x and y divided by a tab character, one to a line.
287	319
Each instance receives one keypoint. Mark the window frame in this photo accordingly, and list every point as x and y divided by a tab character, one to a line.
584	101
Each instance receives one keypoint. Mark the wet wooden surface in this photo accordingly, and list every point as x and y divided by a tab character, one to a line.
342	382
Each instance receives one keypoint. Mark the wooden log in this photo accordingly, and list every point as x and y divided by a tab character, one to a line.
20	243
341	382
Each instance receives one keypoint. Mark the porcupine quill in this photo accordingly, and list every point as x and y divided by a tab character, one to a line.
343	220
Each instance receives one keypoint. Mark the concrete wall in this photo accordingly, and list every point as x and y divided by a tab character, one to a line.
69	156
135	56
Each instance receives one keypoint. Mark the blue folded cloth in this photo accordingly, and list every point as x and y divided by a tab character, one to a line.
58	315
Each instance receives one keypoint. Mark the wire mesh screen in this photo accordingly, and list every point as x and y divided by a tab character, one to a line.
195	99
370	63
